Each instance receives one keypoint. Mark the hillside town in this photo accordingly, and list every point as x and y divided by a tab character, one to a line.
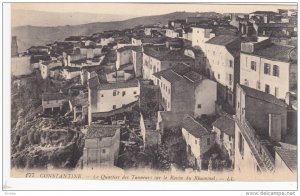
200	94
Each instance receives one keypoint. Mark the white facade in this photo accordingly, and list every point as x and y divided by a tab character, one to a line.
245	162
200	36
90	52
221	64
123	57
196	147
51	104
205	97
152	65
20	65
252	74
111	99
105	41
45	68
68	75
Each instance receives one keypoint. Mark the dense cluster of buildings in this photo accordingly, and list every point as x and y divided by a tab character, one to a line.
240	71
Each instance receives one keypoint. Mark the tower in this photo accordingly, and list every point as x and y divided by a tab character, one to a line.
14	46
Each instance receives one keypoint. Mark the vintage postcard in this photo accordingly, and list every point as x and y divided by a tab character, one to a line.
161	92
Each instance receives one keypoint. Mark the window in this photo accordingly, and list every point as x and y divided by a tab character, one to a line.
218	76
102	95
103	151
253	65
229	138
195	141
114	107
246	82
208	141
267	88
276	91
169	91
199	106
134	92
123	93
258	85
241	144
230	79
230	63
168	105
214	53
276	70
189	150
114	93
267	69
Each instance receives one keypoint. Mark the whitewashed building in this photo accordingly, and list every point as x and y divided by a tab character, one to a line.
46	66
268	67
53	101
101	149
198	140
106	97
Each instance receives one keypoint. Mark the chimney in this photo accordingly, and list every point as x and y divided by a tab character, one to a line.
275	127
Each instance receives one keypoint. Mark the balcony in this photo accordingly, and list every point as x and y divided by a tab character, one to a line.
258	146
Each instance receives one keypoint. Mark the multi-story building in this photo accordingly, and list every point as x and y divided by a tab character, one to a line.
102	143
201	34
222	53
45	67
156	59
151	136
224	129
260	123
268	67
198	140
184	90
106	97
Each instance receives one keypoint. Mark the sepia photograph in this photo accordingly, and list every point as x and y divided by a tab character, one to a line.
153	92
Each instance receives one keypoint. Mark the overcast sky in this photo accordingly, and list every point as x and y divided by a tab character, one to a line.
146	9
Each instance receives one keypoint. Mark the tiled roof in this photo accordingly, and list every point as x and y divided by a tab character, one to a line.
124	48
175	55
164	54
53	96
128	84
222	40
193	76
71	69
289	156
251	92
225	124
99	131
194	127
275	52
171	76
